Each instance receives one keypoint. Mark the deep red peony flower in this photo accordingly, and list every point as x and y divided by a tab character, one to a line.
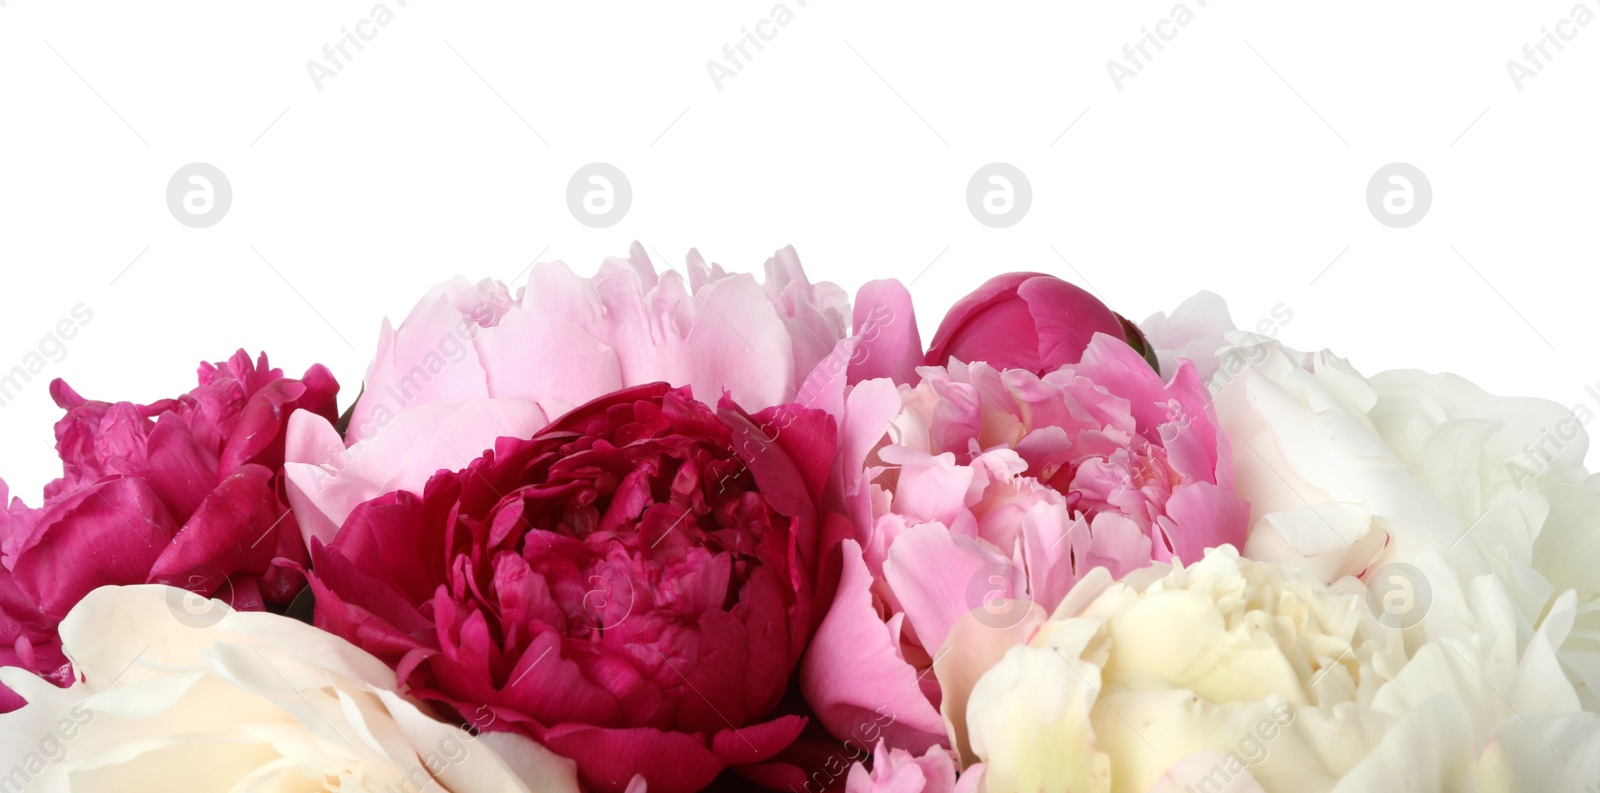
186	492
632	587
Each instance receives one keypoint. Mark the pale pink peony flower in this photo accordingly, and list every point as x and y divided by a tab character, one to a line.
474	363
994	492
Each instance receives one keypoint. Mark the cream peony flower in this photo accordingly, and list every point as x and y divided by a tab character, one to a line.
1237	675
1226	670
177	693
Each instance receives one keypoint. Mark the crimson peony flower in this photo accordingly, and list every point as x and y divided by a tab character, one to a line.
186	492
1028	321
631	587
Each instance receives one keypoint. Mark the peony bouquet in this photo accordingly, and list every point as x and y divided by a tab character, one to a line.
649	531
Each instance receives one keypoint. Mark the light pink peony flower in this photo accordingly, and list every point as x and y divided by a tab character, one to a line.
999	490
471	364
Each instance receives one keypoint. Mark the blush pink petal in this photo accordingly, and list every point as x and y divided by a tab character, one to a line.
326	480
437	318
886	327
1213	515
971	649
931	573
544	354
853	668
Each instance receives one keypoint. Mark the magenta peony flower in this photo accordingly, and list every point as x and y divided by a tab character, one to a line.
186	492
994	492
1028	321
471	364
631	587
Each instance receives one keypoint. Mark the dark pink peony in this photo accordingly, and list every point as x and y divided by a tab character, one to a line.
185	491
632	586
1028	321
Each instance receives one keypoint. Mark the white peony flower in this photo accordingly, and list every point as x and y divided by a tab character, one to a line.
178	693
1469	520
1409	479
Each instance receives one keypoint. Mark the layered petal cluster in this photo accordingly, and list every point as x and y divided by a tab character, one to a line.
995	491
1424	479
174	692
632	587
1203	675
474	363
185	491
1232	674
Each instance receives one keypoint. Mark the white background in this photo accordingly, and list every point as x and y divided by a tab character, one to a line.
1237	160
